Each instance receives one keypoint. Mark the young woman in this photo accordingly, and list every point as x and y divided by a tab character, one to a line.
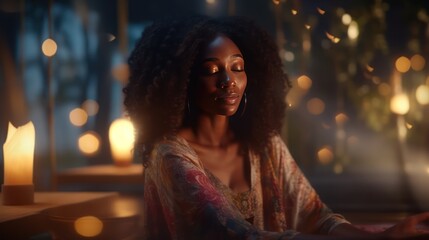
207	99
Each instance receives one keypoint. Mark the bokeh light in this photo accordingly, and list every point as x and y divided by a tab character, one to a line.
315	106
89	143
121	72
417	62
325	155
346	19
341	118
422	94
353	30
210	1
304	82
88	226
384	89
78	117
400	104
49	47
338	168
90	106
294	12
403	64
321	11
276	2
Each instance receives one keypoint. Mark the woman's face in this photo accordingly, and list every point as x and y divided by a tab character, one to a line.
221	79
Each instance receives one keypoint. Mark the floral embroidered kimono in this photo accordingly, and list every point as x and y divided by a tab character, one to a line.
183	200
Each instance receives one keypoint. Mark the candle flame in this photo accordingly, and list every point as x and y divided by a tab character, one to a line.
18	151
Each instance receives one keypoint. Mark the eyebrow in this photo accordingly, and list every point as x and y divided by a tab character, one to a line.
238	55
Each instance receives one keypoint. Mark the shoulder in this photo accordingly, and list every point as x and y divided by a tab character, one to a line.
277	153
173	147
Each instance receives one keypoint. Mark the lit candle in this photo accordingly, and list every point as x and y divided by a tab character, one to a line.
18	153
121	136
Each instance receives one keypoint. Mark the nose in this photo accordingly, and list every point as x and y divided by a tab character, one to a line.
227	80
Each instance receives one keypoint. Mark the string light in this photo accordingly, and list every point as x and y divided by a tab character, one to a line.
294	12
307	26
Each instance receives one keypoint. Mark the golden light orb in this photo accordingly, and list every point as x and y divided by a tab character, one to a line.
91	107
422	94
89	143
325	155
78	117
400	104
346	19
384	89
315	106
304	82
211	2
49	47
338	168
417	62
341	118
403	64
88	226
353	30
294	12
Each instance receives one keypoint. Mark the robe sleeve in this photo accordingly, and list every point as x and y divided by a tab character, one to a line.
192	207
305	211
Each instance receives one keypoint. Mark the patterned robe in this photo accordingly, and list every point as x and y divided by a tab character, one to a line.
182	200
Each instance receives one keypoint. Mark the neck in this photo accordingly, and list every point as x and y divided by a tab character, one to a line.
212	131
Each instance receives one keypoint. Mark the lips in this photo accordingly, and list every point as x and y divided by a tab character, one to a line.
227	98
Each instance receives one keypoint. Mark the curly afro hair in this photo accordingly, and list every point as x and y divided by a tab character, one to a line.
161	67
